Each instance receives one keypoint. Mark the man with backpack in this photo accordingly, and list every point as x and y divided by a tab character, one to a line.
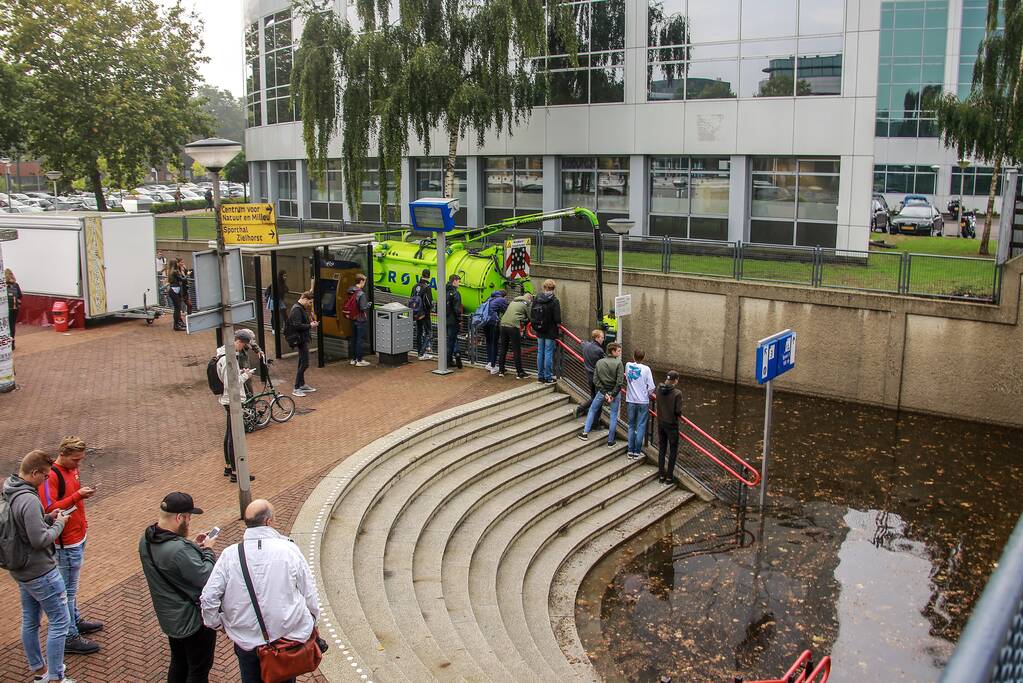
545	317
421	305
454	320
297	332
512	321
176	570
486	320
63	490
216	378
639	390
592	351
356	309
27	552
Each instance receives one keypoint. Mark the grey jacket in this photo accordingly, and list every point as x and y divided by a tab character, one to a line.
35	529
182	569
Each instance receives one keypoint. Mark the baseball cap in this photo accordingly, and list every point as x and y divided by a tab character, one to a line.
179	503
247	336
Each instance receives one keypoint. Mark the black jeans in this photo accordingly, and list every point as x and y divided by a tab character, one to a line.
228	441
454	353
248	666
511	337
667	440
176	300
303	363
12	318
192	657
423	333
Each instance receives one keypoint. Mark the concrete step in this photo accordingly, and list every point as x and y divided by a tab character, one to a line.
367	480
379	579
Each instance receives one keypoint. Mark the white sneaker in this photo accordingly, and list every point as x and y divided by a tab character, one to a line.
362	364
351	362
298	392
306	388
426	356
488	366
495	370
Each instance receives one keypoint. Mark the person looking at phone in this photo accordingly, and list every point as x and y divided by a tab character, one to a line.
29	557
176	570
62	490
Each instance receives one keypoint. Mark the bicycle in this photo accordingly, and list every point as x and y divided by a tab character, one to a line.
268	405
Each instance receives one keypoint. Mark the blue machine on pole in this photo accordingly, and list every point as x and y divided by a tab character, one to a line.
437	214
776	355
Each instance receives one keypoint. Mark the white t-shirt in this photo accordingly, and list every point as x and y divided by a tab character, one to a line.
639	382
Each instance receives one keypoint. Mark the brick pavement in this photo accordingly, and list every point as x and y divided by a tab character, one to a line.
138	395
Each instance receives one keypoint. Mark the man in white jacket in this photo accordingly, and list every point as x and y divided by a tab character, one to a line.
282	583
639	386
241	344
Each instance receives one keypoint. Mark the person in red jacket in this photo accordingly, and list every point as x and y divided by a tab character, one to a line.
63	490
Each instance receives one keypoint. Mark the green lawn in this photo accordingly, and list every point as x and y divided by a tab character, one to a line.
201	226
946	246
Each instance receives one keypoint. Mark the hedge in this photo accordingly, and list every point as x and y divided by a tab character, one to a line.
170	207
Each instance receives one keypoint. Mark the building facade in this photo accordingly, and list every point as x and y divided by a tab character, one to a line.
749	120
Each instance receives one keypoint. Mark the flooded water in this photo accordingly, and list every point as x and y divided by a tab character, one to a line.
880	533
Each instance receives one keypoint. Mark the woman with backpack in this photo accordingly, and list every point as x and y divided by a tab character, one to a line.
177	284
486	321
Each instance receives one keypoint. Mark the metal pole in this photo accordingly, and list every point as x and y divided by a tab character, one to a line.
618	318
54	188
962	181
275	314
767	444
257	266
241	452
320	361
442	306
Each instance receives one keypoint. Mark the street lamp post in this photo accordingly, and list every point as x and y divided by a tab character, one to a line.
54	176
621	227
963	165
213	154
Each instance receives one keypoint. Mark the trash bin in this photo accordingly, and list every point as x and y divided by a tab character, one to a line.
60	318
393	333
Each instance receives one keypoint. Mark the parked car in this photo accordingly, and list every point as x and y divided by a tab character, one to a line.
918	219
879	218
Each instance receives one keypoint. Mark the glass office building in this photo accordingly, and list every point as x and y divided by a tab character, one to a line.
751	120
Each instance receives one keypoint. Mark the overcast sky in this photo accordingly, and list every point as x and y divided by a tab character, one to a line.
222	35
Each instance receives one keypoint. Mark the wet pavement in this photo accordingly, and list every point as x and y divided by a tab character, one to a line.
881	531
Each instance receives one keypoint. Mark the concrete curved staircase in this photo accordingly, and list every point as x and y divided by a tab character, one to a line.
453	548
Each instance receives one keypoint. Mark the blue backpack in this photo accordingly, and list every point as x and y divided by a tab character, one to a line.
485	315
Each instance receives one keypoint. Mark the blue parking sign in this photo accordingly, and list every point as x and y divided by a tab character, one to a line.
776	355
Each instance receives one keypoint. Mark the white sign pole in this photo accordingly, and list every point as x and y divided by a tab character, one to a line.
442	306
767	444
6	343
618	318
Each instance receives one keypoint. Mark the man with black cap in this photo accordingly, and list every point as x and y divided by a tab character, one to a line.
241	345
176	570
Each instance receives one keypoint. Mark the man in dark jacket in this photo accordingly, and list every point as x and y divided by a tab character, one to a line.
298	329
424	293
361	323
454	321
176	571
592	350
669	410
490	328
34	567
545	316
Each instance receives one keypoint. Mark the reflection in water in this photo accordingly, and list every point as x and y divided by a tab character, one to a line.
881	533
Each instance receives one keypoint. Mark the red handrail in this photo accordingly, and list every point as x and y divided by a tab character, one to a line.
532	334
800	666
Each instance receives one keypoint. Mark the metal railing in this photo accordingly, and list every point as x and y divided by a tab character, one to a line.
801	671
990	649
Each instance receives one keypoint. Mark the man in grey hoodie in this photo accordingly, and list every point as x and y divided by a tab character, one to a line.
34	566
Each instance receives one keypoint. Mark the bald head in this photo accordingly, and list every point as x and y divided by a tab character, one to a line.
259	513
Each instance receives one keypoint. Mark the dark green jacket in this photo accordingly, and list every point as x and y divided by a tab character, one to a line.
183	564
517	314
609	376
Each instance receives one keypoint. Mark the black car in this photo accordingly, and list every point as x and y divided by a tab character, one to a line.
917	219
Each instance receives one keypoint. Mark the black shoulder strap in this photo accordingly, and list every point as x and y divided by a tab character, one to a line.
61	486
252	592
166	579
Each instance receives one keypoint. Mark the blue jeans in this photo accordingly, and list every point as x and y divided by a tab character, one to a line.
638	413
69	562
545	358
492	337
593	416
360	328
44	594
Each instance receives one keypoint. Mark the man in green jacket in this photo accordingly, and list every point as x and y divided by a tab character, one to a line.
176	570
608	378
512	321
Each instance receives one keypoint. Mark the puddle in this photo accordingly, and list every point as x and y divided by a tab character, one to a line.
880	535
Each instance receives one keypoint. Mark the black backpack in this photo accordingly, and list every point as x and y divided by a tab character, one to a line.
213	377
291	335
541	314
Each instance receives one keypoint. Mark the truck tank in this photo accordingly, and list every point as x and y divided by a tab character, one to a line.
399	264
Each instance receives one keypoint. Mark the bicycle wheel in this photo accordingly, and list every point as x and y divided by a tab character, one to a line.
262	412
248	418
282	409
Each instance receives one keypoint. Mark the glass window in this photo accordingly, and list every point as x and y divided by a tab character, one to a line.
253	82
769	18
821	16
287	189
429	182
689	197
598	74
974	180
795	201
513	186
369	209
597	183
326	195
712	80
905	179
277	63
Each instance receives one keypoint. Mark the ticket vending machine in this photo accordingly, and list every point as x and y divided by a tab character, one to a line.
336	276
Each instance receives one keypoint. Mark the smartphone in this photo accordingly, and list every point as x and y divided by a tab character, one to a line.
70	509
213	533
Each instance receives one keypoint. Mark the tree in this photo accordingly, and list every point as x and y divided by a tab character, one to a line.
110	79
226	110
12	97
237	171
458	65
988	125
781	85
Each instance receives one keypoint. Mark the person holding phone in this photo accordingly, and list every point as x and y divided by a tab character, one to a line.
33	566
176	571
63	490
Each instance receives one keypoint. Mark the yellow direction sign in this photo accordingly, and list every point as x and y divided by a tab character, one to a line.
249	224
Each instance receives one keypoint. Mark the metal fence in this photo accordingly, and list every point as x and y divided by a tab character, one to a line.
879	271
991	648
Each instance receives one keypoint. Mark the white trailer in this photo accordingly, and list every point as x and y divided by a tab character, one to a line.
106	261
